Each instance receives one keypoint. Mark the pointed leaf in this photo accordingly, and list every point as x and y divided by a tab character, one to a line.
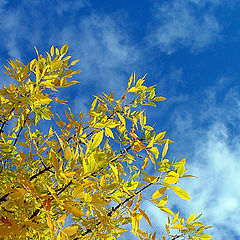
180	192
159	193
97	139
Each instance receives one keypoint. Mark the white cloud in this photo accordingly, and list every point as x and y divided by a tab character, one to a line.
101	42
72	5
209	134
217	192
106	54
182	24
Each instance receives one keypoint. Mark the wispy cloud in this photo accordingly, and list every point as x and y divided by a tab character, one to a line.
100	41
214	149
178	25
71	6
107	56
104	49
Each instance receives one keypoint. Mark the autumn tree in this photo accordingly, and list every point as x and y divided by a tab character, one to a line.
84	178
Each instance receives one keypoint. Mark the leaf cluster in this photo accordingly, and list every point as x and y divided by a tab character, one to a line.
87	178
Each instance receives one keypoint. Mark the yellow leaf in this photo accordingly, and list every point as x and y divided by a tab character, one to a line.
64	49
163	201
181	169
171	177
73	62
145	216
37	73
130	81
159	193
205	236
109	132
60	101
133	89
68	153
149	128
164	209
160	136
145	162
175	218
79	192
27	185
56	65
43	99
71	230
190	218
122	119
177	226
115	171
97	139
158	99
52	50
67	84
57	51
50	132
98	203
61	220
52	191
151	143
181	193
50	225
165	148
55	161
150	179
93	104
74	210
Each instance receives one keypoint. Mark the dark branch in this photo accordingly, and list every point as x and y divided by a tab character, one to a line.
4	197
40	172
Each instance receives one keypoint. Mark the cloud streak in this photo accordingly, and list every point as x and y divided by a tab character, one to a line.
178	25
214	150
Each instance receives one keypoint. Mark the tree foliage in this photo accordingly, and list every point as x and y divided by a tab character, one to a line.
87	176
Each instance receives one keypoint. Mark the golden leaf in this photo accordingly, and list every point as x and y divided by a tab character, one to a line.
67	153
171	177
181	193
71	230
97	139
159	193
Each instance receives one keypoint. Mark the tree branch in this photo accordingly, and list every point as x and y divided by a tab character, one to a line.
40	172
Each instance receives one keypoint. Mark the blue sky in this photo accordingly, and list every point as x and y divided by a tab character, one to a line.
189	48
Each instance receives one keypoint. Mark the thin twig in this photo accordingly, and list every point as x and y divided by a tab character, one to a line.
40	172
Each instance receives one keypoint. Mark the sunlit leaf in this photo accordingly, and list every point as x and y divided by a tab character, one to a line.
159	193
97	139
71	230
64	49
171	177
190	218
180	192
